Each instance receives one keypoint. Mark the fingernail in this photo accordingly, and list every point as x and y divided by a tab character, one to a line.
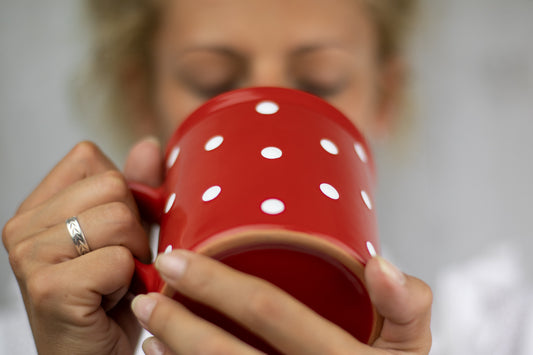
171	265
392	272
152	346
142	306
153	140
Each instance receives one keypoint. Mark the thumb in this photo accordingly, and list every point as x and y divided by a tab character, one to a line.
405	303
144	163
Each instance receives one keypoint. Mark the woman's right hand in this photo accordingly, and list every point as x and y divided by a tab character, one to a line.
76	304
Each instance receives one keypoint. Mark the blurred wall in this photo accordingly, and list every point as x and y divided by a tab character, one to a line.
39	46
458	185
463	183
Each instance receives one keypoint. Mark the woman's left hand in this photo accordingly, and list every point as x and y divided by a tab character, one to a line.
284	322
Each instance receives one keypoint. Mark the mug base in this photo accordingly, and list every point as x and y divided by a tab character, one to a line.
320	274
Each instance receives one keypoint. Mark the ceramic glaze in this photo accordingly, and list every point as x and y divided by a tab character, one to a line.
279	184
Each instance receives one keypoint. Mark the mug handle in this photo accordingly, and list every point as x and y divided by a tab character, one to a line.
150	202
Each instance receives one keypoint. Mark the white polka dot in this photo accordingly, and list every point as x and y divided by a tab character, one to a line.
267	107
371	249
360	152
168	249
329	146
211	193
329	191
272	206
214	143
271	153
366	199
173	156
170	203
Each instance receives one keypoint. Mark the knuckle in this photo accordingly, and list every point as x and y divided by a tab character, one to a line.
85	151
9	232
161	318
121	262
424	301
199	286
263	307
121	215
86	159
198	278
424	295
113	184
20	254
427	296
122	256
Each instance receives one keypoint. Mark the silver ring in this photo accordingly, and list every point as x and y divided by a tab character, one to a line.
74	229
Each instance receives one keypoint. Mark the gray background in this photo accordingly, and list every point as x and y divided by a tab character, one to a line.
458	183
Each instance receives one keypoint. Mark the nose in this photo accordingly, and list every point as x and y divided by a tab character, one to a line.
269	72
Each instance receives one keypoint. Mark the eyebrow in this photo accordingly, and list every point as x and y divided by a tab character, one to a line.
313	47
230	51
222	49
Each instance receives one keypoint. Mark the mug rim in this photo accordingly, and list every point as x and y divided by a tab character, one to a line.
251	237
268	93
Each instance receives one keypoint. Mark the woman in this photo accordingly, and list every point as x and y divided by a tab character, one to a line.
164	59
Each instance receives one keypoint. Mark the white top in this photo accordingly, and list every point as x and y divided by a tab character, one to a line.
484	306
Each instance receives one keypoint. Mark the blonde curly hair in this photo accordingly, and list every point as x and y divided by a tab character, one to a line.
121	36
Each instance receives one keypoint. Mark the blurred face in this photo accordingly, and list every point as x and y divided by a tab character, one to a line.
325	47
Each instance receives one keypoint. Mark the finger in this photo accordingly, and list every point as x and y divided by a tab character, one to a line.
152	346
74	290
85	159
144	162
183	331
266	310
105	273
96	190
108	225
404	302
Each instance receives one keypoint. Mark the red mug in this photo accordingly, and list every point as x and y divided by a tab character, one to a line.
276	183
